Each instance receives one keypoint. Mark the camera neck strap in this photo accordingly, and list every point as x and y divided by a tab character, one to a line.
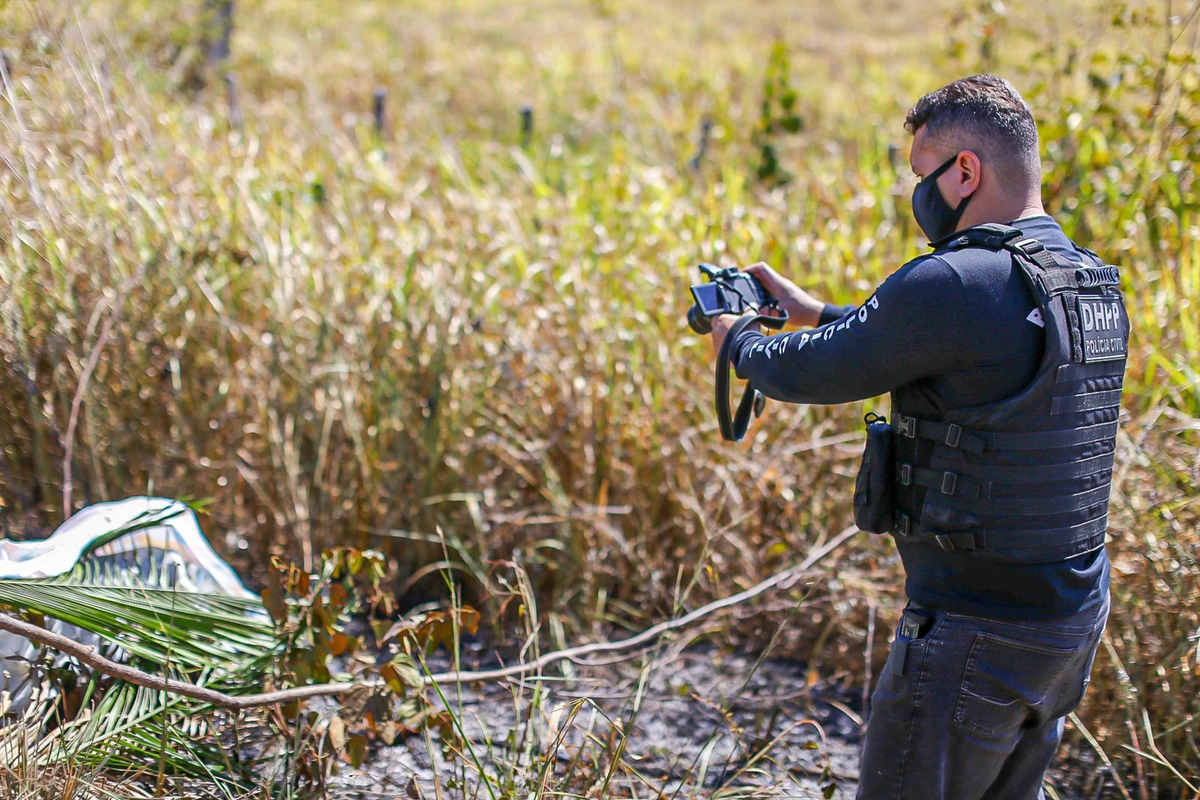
733	428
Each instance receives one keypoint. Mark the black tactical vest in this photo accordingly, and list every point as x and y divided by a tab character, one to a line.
1026	479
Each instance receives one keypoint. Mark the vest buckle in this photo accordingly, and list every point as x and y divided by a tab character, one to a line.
903	525
949	483
905	474
907	425
953	435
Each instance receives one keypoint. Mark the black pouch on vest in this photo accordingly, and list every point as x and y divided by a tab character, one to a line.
874	501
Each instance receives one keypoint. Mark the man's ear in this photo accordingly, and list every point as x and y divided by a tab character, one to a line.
970	172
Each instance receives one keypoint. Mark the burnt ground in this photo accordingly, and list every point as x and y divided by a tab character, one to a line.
701	723
695	722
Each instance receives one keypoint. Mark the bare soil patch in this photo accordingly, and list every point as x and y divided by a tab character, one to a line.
699	723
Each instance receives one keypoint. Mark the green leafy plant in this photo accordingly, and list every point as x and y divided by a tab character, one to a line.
779	115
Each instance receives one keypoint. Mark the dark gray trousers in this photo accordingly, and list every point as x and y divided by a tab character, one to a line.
972	709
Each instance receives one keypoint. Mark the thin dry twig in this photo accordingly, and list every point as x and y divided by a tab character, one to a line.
76	403
1091	740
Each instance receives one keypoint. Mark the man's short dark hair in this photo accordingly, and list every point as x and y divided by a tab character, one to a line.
985	114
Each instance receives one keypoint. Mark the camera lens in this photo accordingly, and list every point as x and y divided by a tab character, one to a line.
698	321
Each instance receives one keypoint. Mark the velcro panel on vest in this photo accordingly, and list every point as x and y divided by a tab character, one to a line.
1068	301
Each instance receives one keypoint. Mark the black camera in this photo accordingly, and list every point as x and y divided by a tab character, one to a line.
731	291
728	291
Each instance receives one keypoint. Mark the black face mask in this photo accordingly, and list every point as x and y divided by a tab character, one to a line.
935	216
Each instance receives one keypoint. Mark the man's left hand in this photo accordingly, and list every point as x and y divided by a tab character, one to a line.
721	326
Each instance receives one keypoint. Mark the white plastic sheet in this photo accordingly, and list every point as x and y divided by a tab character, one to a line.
147	541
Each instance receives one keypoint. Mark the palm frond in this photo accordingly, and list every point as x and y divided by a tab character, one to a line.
134	729
159	626
137	600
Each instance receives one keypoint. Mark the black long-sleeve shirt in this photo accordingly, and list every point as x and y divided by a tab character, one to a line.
950	332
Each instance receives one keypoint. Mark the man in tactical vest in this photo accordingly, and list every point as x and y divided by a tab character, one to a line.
1003	351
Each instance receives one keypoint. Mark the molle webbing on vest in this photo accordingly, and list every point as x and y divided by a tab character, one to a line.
1089	401
976	442
1026	479
1035	546
1042	506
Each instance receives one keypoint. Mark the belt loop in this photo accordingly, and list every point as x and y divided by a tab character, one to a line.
953	435
949	483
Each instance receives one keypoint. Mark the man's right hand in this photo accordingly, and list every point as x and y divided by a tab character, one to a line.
802	308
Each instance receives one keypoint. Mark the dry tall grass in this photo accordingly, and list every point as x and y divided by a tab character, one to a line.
344	337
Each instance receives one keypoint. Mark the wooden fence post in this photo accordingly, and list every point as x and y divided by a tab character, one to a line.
526	124
5	71
706	126
219	26
231	92
379	101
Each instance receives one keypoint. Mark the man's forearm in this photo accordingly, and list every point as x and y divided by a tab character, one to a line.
772	370
910	327
793	390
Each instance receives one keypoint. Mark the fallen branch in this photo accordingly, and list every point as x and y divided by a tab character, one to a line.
92	658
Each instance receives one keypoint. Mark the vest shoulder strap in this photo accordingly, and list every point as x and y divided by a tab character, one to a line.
991	235
1057	275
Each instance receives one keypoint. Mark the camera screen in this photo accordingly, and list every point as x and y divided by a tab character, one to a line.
708	297
744	286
